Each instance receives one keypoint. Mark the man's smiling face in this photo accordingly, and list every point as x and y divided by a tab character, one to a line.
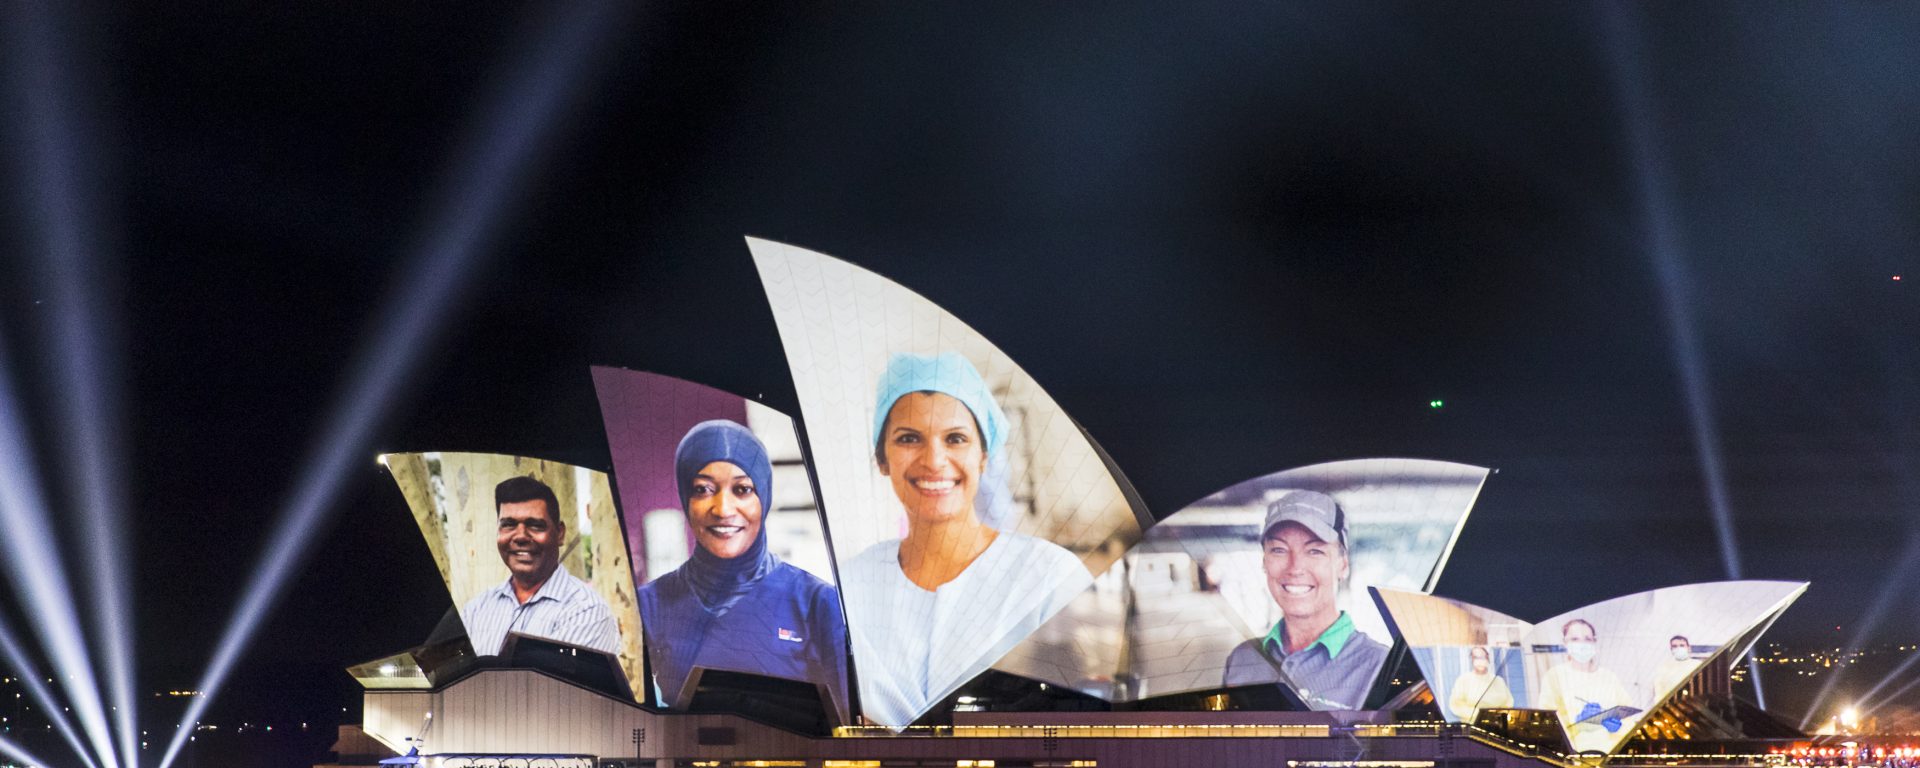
529	540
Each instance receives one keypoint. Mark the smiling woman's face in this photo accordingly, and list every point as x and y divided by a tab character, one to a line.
1304	573
930	449
724	510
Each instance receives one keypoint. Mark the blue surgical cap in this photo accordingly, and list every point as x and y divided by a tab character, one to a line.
949	374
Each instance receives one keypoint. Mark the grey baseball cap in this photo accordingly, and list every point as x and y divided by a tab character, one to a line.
1313	511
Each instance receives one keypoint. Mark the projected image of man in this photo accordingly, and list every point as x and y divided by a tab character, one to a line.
1677	668
1314	648
539	598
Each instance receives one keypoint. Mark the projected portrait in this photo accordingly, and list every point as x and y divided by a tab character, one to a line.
1599	669
1478	687
967	509
1314	648
1473	658
1678	667
527	548
1263	584
539	597
728	547
1591	702
951	576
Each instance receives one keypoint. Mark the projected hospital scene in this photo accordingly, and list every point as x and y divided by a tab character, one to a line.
1264	583
527	547
1599	669
724	535
966	507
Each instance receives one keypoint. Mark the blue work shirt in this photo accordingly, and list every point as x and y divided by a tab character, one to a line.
788	626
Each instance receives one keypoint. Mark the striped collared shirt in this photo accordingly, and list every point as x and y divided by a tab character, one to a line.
564	609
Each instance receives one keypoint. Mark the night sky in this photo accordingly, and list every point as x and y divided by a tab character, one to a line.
1228	240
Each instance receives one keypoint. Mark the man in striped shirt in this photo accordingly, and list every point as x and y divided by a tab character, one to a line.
539	597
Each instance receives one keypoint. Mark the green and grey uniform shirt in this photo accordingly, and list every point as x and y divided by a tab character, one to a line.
1334	672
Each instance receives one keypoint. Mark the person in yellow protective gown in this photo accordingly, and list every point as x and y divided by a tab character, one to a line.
1677	670
1579	688
1478	688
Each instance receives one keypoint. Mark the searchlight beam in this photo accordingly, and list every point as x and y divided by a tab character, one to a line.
519	125
1665	249
87	407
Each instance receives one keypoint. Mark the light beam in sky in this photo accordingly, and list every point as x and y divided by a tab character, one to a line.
1658	216
88	408
520	123
30	556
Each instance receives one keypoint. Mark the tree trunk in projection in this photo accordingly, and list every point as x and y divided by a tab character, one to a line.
613	572
411	473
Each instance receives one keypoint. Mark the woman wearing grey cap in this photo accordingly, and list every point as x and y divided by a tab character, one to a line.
1314	648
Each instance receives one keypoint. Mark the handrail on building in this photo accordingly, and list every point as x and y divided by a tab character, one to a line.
1210	731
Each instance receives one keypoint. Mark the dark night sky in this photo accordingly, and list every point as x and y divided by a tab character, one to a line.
1228	239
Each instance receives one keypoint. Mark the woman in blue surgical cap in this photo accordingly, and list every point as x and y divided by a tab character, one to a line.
734	605
934	609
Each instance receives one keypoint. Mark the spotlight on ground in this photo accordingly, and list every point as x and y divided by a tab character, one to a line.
63	218
517	128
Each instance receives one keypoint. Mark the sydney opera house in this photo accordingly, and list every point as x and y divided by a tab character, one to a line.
933	564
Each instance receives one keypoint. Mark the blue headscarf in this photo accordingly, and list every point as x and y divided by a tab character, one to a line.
950	374
719	582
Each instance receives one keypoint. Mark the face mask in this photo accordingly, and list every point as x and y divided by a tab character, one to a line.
1582	652
1681	654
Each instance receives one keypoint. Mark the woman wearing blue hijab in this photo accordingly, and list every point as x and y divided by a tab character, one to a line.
934	609
734	605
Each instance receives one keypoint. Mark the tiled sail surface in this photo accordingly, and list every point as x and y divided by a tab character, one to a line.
451	496
1165	619
1647	646
647	415
842	327
1441	634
